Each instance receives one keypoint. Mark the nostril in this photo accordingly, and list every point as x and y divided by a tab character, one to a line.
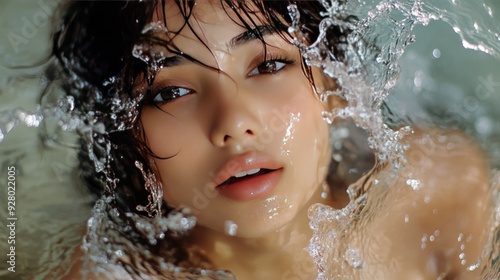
247	132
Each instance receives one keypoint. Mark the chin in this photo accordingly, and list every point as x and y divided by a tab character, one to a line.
260	227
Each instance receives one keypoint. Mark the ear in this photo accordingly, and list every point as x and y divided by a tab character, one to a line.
323	82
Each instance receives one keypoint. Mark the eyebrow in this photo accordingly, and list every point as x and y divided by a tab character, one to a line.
249	35
173	61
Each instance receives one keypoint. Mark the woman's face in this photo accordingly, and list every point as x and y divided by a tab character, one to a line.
246	144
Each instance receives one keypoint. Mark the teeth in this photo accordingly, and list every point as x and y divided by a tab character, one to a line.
248	172
253	171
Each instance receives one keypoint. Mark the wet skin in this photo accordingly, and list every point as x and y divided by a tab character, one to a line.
263	113
260	114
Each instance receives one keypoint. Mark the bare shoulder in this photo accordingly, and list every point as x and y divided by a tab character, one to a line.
449	176
449	170
436	209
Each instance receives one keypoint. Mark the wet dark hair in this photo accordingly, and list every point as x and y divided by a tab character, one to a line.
94	48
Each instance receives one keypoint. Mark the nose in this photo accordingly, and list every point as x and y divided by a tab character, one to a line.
235	122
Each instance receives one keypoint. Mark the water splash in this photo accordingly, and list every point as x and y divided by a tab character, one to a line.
364	99
374	47
12	118
9	119
155	190
104	241
105	244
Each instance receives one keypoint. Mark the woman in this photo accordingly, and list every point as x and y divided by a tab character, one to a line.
209	106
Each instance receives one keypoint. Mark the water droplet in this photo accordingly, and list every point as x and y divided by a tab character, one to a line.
469	238
474	266
324	195
230	228
423	245
413	183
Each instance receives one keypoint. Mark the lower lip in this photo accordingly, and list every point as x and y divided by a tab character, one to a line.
252	188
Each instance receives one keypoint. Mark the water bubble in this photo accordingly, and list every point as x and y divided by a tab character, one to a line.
436	53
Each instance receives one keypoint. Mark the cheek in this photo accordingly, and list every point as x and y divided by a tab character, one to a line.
183	181
169	139
305	129
295	114
307	142
163	133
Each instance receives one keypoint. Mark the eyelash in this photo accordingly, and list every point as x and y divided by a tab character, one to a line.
272	58
174	90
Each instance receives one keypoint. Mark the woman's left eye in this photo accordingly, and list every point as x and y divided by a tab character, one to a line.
269	67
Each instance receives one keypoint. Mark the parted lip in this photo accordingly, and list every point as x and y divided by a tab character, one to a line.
245	162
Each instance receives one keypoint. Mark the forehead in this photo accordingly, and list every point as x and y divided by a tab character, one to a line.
177	13
210	22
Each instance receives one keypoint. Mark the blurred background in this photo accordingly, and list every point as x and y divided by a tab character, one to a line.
52	206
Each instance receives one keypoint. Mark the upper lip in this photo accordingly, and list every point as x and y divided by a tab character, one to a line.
245	162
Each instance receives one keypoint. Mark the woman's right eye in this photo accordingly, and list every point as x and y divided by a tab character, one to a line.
169	94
